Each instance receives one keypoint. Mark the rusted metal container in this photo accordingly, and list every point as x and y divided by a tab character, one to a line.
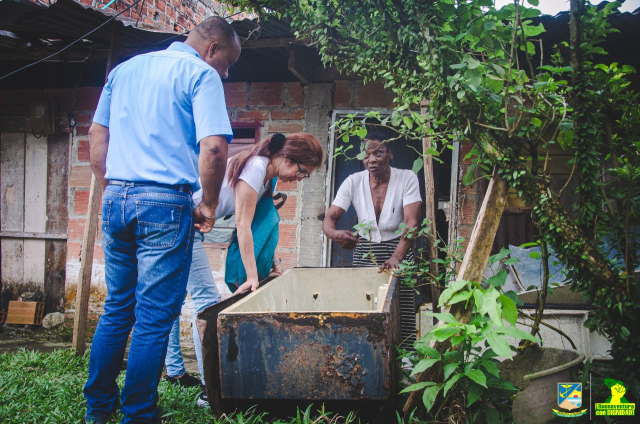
313	333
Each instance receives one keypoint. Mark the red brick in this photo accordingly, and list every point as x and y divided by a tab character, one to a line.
74	249
80	177
290	186
288	211
75	229
287	115
468	210
465	148
199	19
82	118
83	150
288	234
82	202
289	259
342	96
373	94
252	114
82	130
465	231
285	128
161	5
170	12
235	94
296	95
266	94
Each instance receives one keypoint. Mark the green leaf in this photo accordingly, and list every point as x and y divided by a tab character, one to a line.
424	365
478	377
443	333
516	333
443	316
533	2
451	290
418	386
499	344
499	256
449	369
497	383
361	155
509	309
417	165
492	415
490	367
498	280
491	307
460	297
472	61
532	31
427	351
460	94
449	384
429	396
408	121
474	393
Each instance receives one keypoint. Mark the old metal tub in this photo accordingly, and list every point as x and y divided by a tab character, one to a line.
312	334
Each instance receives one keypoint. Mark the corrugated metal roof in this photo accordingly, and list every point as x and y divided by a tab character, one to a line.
68	20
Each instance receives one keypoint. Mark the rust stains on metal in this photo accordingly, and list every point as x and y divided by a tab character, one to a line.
345	369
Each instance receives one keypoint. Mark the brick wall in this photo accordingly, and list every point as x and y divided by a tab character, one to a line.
279	108
170	15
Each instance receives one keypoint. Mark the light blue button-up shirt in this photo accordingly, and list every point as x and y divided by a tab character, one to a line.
158	106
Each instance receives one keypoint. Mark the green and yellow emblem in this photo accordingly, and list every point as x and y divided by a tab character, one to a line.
616	404
569	398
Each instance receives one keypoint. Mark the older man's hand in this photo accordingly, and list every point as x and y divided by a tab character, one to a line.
202	223
346	239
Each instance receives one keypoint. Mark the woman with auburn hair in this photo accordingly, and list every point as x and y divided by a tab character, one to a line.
246	192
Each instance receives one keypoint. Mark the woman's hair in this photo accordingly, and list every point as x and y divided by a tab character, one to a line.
300	148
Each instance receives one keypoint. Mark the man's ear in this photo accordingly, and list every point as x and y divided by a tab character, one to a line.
213	47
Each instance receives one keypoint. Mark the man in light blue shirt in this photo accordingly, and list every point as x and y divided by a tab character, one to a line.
160	123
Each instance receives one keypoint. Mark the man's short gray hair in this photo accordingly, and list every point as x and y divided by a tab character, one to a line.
215	28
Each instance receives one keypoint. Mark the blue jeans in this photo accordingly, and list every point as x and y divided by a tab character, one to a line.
147	234
204	293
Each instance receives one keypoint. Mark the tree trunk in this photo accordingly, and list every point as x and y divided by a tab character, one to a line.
431	207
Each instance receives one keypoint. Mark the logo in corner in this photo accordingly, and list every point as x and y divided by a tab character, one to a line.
616	404
570	398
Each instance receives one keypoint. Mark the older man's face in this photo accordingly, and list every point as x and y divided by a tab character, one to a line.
378	158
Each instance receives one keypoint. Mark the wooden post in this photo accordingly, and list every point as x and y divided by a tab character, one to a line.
90	228
431	207
472	269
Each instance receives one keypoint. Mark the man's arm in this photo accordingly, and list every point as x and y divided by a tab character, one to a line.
212	165
98	147
411	218
344	238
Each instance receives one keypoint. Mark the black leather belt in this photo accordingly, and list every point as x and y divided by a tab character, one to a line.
179	187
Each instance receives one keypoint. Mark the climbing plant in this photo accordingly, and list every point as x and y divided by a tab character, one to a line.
480	73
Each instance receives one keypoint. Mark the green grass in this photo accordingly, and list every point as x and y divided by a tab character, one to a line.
47	388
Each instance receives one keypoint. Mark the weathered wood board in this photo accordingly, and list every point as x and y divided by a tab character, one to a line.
12	152
29	313
57	217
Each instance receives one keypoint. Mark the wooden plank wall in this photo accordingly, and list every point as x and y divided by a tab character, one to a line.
34	180
12	152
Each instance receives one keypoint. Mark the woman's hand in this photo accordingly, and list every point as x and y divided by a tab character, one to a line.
277	268
251	284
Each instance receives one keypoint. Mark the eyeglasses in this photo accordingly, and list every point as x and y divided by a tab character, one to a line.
301	174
